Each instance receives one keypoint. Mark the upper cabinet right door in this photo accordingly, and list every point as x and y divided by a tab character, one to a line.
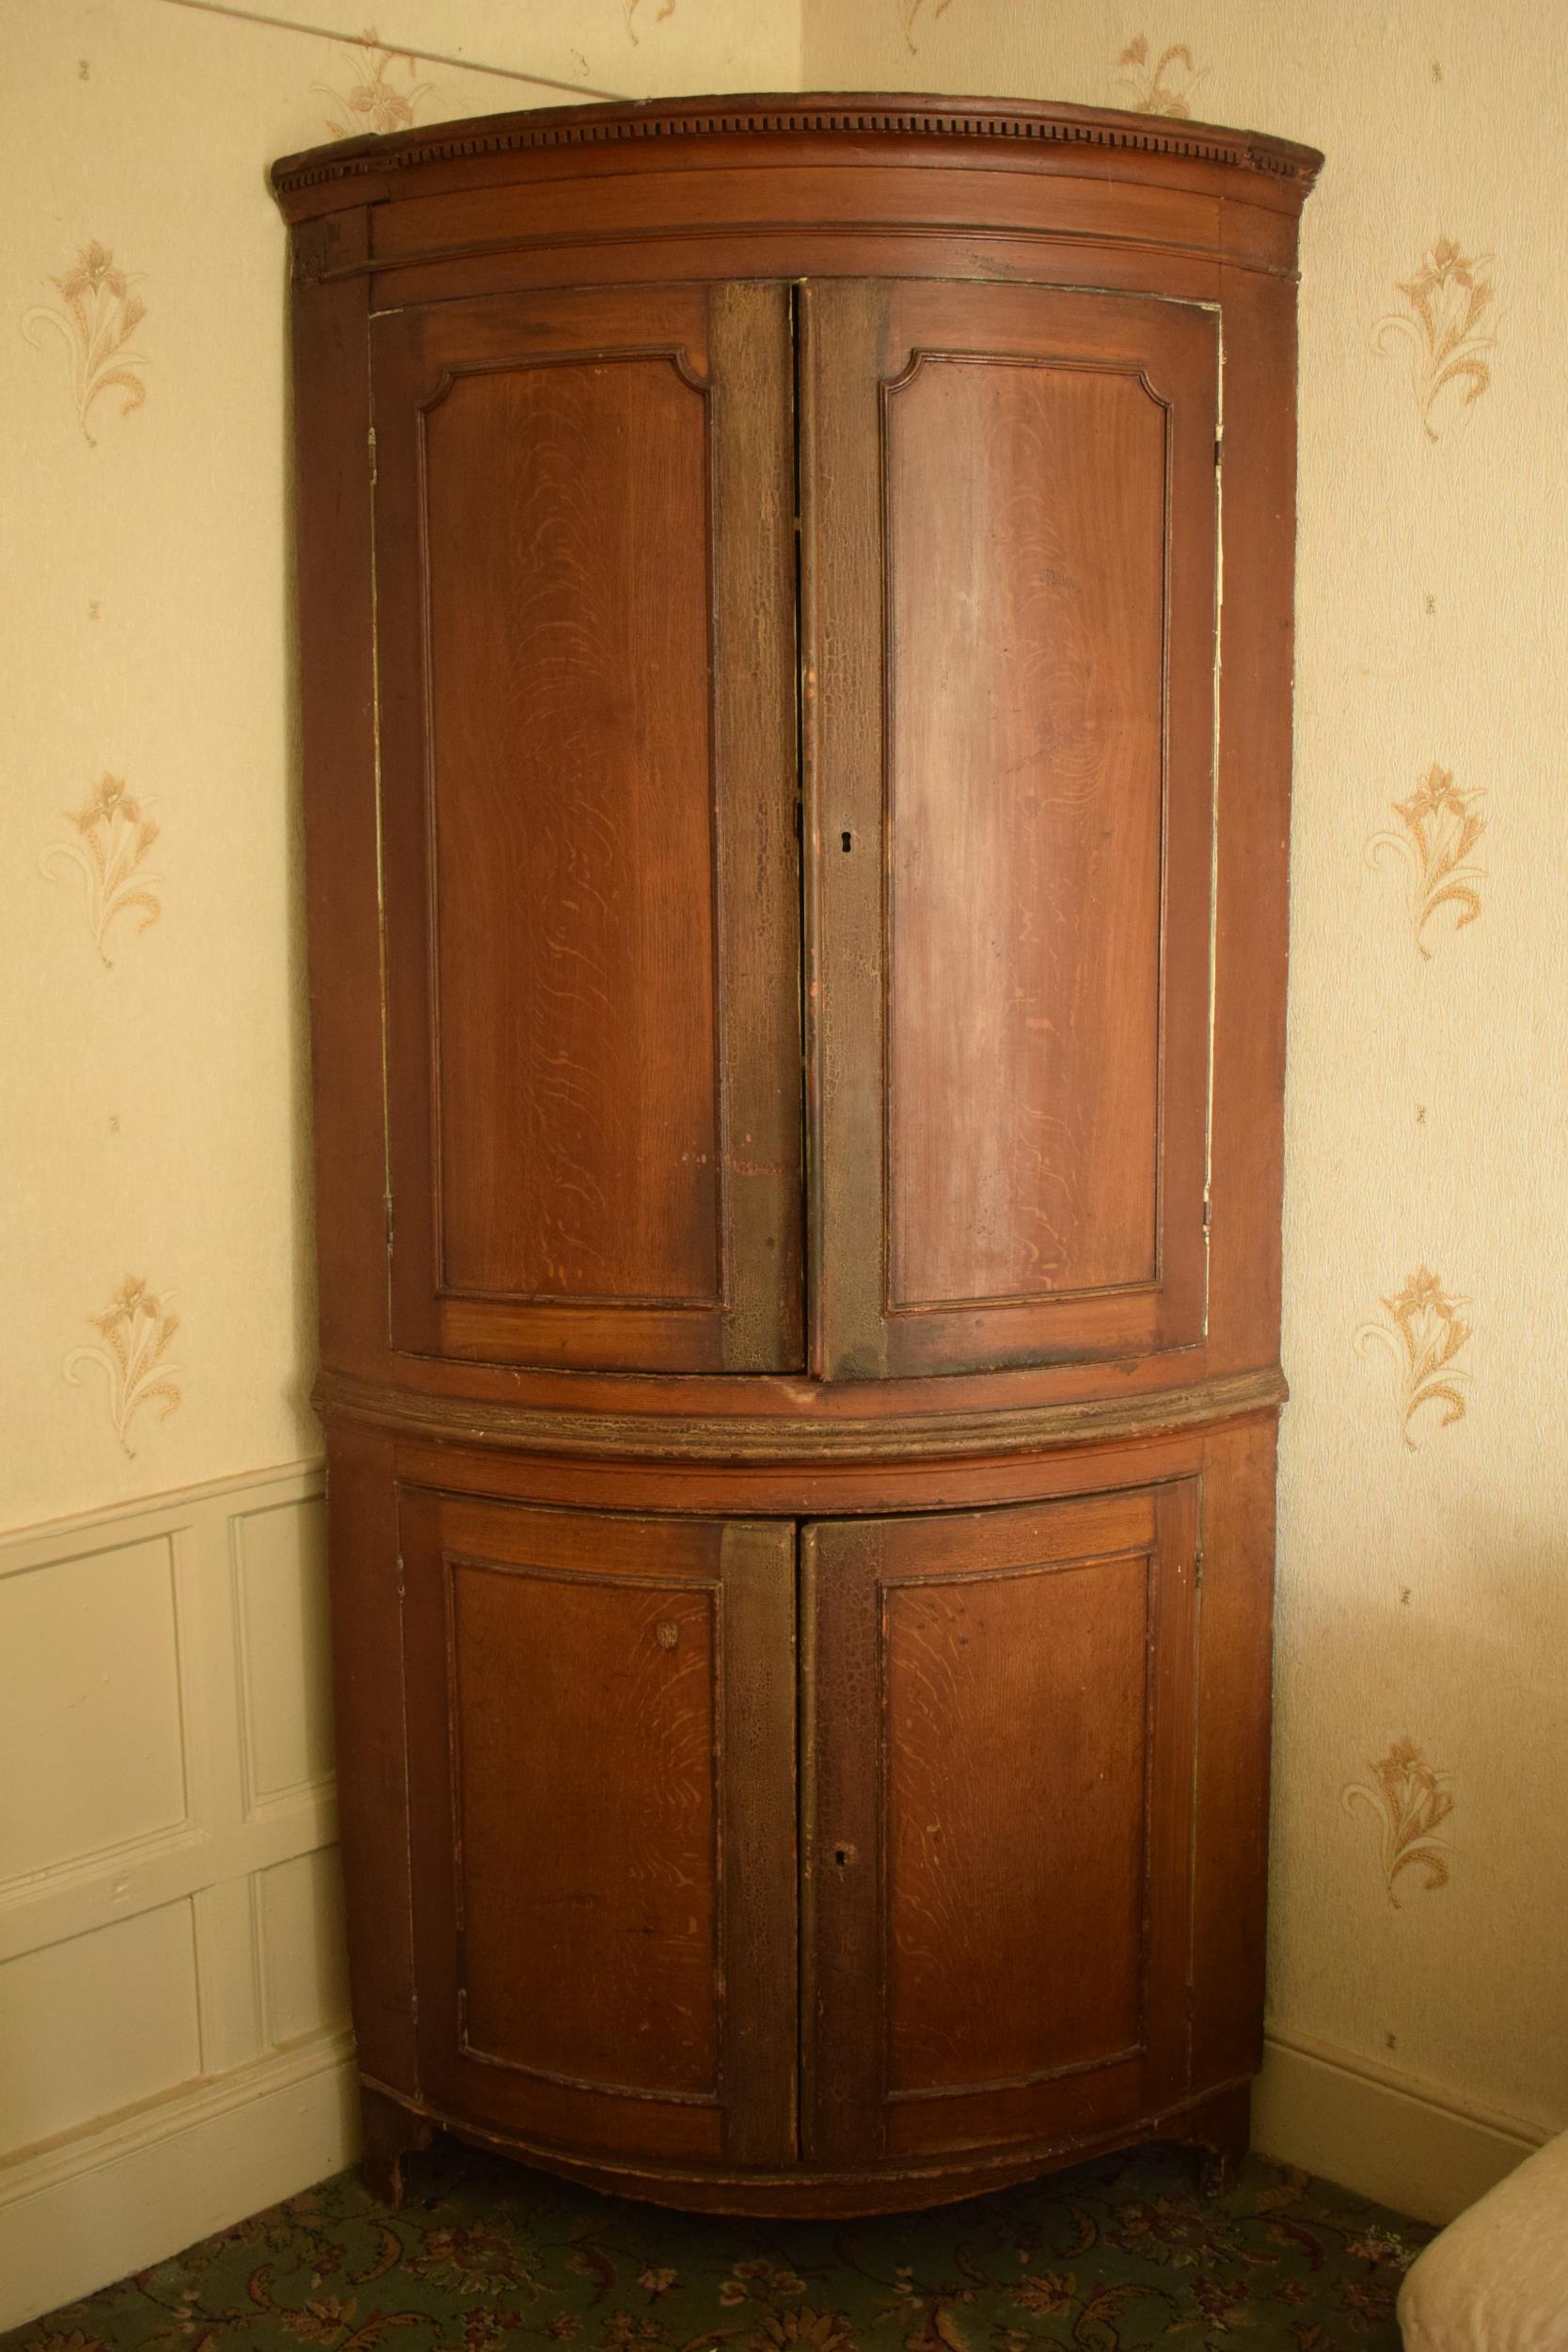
1010	512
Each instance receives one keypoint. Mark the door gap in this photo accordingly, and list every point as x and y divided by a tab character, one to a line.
801	829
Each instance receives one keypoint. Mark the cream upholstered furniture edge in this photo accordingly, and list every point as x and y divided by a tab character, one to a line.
1497	2279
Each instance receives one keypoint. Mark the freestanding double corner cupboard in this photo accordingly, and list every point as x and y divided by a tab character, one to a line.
796	636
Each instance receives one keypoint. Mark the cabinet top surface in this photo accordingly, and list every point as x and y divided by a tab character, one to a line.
649	132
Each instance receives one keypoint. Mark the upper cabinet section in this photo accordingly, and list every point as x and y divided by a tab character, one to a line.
796	832
584	582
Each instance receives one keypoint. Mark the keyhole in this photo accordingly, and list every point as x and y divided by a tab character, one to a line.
847	839
843	1856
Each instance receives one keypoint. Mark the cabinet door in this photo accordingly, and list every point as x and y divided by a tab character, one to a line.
1009	515
998	1824
601	1725
584	571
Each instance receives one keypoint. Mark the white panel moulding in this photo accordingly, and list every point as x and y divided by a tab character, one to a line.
218	1592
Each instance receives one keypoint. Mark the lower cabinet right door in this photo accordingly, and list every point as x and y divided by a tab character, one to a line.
999	1764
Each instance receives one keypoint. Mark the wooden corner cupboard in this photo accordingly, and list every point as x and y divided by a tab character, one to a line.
795	637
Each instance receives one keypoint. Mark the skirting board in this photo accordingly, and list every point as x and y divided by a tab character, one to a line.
154	2181
1345	2117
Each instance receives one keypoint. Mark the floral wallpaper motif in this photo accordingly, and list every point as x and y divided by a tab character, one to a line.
1440	335
1164	86
131	1352
112	836
910	14
666	9
1441	828
1423	1331
372	101
94	321
1407	1801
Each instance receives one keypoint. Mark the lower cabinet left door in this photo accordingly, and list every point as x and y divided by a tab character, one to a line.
601	1739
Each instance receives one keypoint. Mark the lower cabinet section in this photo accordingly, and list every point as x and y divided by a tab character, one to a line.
847	1861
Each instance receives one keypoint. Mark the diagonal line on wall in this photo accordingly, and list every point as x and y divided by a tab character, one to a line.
425	56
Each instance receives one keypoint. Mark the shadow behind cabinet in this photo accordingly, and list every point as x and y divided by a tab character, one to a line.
795	843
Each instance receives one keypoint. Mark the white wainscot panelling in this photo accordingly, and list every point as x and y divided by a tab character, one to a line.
281	1590
98	2024
173	2042
92	1751
304	1979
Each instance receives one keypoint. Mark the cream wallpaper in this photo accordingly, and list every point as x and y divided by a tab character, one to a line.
1421	1879
155	1257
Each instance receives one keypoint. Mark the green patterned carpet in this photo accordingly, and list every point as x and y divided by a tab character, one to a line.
1120	2253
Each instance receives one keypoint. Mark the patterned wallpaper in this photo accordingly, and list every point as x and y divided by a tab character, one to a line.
158	1259
156	1262
1421	1856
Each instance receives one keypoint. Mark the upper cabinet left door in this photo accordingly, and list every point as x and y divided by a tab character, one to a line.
585	599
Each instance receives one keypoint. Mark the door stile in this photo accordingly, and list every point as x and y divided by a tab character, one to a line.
842	1940
841	326
759	1891
1171	1796
756	769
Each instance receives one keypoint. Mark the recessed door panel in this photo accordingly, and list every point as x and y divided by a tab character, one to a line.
598	1703
1009	531
585	1820
1016	1829
582	505
1026	608
1013	1688
571	833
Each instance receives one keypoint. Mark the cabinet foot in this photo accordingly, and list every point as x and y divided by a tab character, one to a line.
390	2133
1220	2133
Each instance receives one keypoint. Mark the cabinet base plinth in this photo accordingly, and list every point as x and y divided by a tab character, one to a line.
1216	2126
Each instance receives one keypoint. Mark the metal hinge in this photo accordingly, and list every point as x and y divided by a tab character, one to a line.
386	1204
1219	448
370	442
1206	1208
402	1586
1198	1569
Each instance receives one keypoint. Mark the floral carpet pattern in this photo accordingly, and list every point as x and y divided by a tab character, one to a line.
1121	2253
